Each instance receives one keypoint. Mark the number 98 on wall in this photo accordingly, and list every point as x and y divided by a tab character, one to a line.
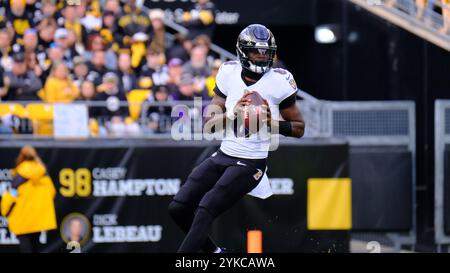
75	183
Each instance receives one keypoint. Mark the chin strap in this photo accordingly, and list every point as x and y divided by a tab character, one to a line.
250	74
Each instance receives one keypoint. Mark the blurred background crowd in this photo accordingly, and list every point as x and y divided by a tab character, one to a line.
109	51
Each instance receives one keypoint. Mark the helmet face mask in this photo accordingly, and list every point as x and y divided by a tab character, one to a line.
256	48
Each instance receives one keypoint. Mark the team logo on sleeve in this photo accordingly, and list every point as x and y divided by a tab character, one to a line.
293	84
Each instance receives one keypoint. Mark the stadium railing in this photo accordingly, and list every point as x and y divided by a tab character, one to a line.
365	122
441	140
425	22
368	123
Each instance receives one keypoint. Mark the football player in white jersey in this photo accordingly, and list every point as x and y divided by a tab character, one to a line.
238	167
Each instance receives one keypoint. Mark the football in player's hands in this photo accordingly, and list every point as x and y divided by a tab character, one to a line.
252	112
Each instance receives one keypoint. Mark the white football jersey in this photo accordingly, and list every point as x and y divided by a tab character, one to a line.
275	85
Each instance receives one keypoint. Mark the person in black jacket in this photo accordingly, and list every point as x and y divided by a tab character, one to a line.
113	115
111	93
97	67
131	21
23	84
201	18
128	79
159	116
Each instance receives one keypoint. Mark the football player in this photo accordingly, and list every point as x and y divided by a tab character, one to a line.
239	166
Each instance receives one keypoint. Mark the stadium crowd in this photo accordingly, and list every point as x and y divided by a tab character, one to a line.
108	51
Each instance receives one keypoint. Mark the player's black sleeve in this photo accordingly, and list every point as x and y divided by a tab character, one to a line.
288	102
219	93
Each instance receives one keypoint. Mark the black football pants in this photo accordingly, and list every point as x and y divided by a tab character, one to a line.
213	187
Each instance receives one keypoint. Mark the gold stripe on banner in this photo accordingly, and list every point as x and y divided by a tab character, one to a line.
329	204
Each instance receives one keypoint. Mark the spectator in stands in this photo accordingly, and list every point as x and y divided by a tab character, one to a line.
96	43
76	45
88	94
81	9
155	67
48	10
22	83
29	202
96	129
132	128
200	18
71	21
97	68
33	64
210	82
90	19
205	41
92	7
19	18
55	54
181	48
111	87
184	90
113	115
187	89
30	40
5	47
132	20
60	36
160	40
67	41
108	28
46	29
33	10
175	72
87	91
126	75
159	116
198	65
139	46
113	6
202	40
59	87
80	71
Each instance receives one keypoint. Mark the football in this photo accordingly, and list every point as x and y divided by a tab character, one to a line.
252	113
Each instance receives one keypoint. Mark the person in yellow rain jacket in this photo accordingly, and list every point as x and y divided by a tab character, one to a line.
59	87
29	203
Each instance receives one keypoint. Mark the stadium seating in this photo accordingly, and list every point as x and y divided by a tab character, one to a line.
13	109
41	116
